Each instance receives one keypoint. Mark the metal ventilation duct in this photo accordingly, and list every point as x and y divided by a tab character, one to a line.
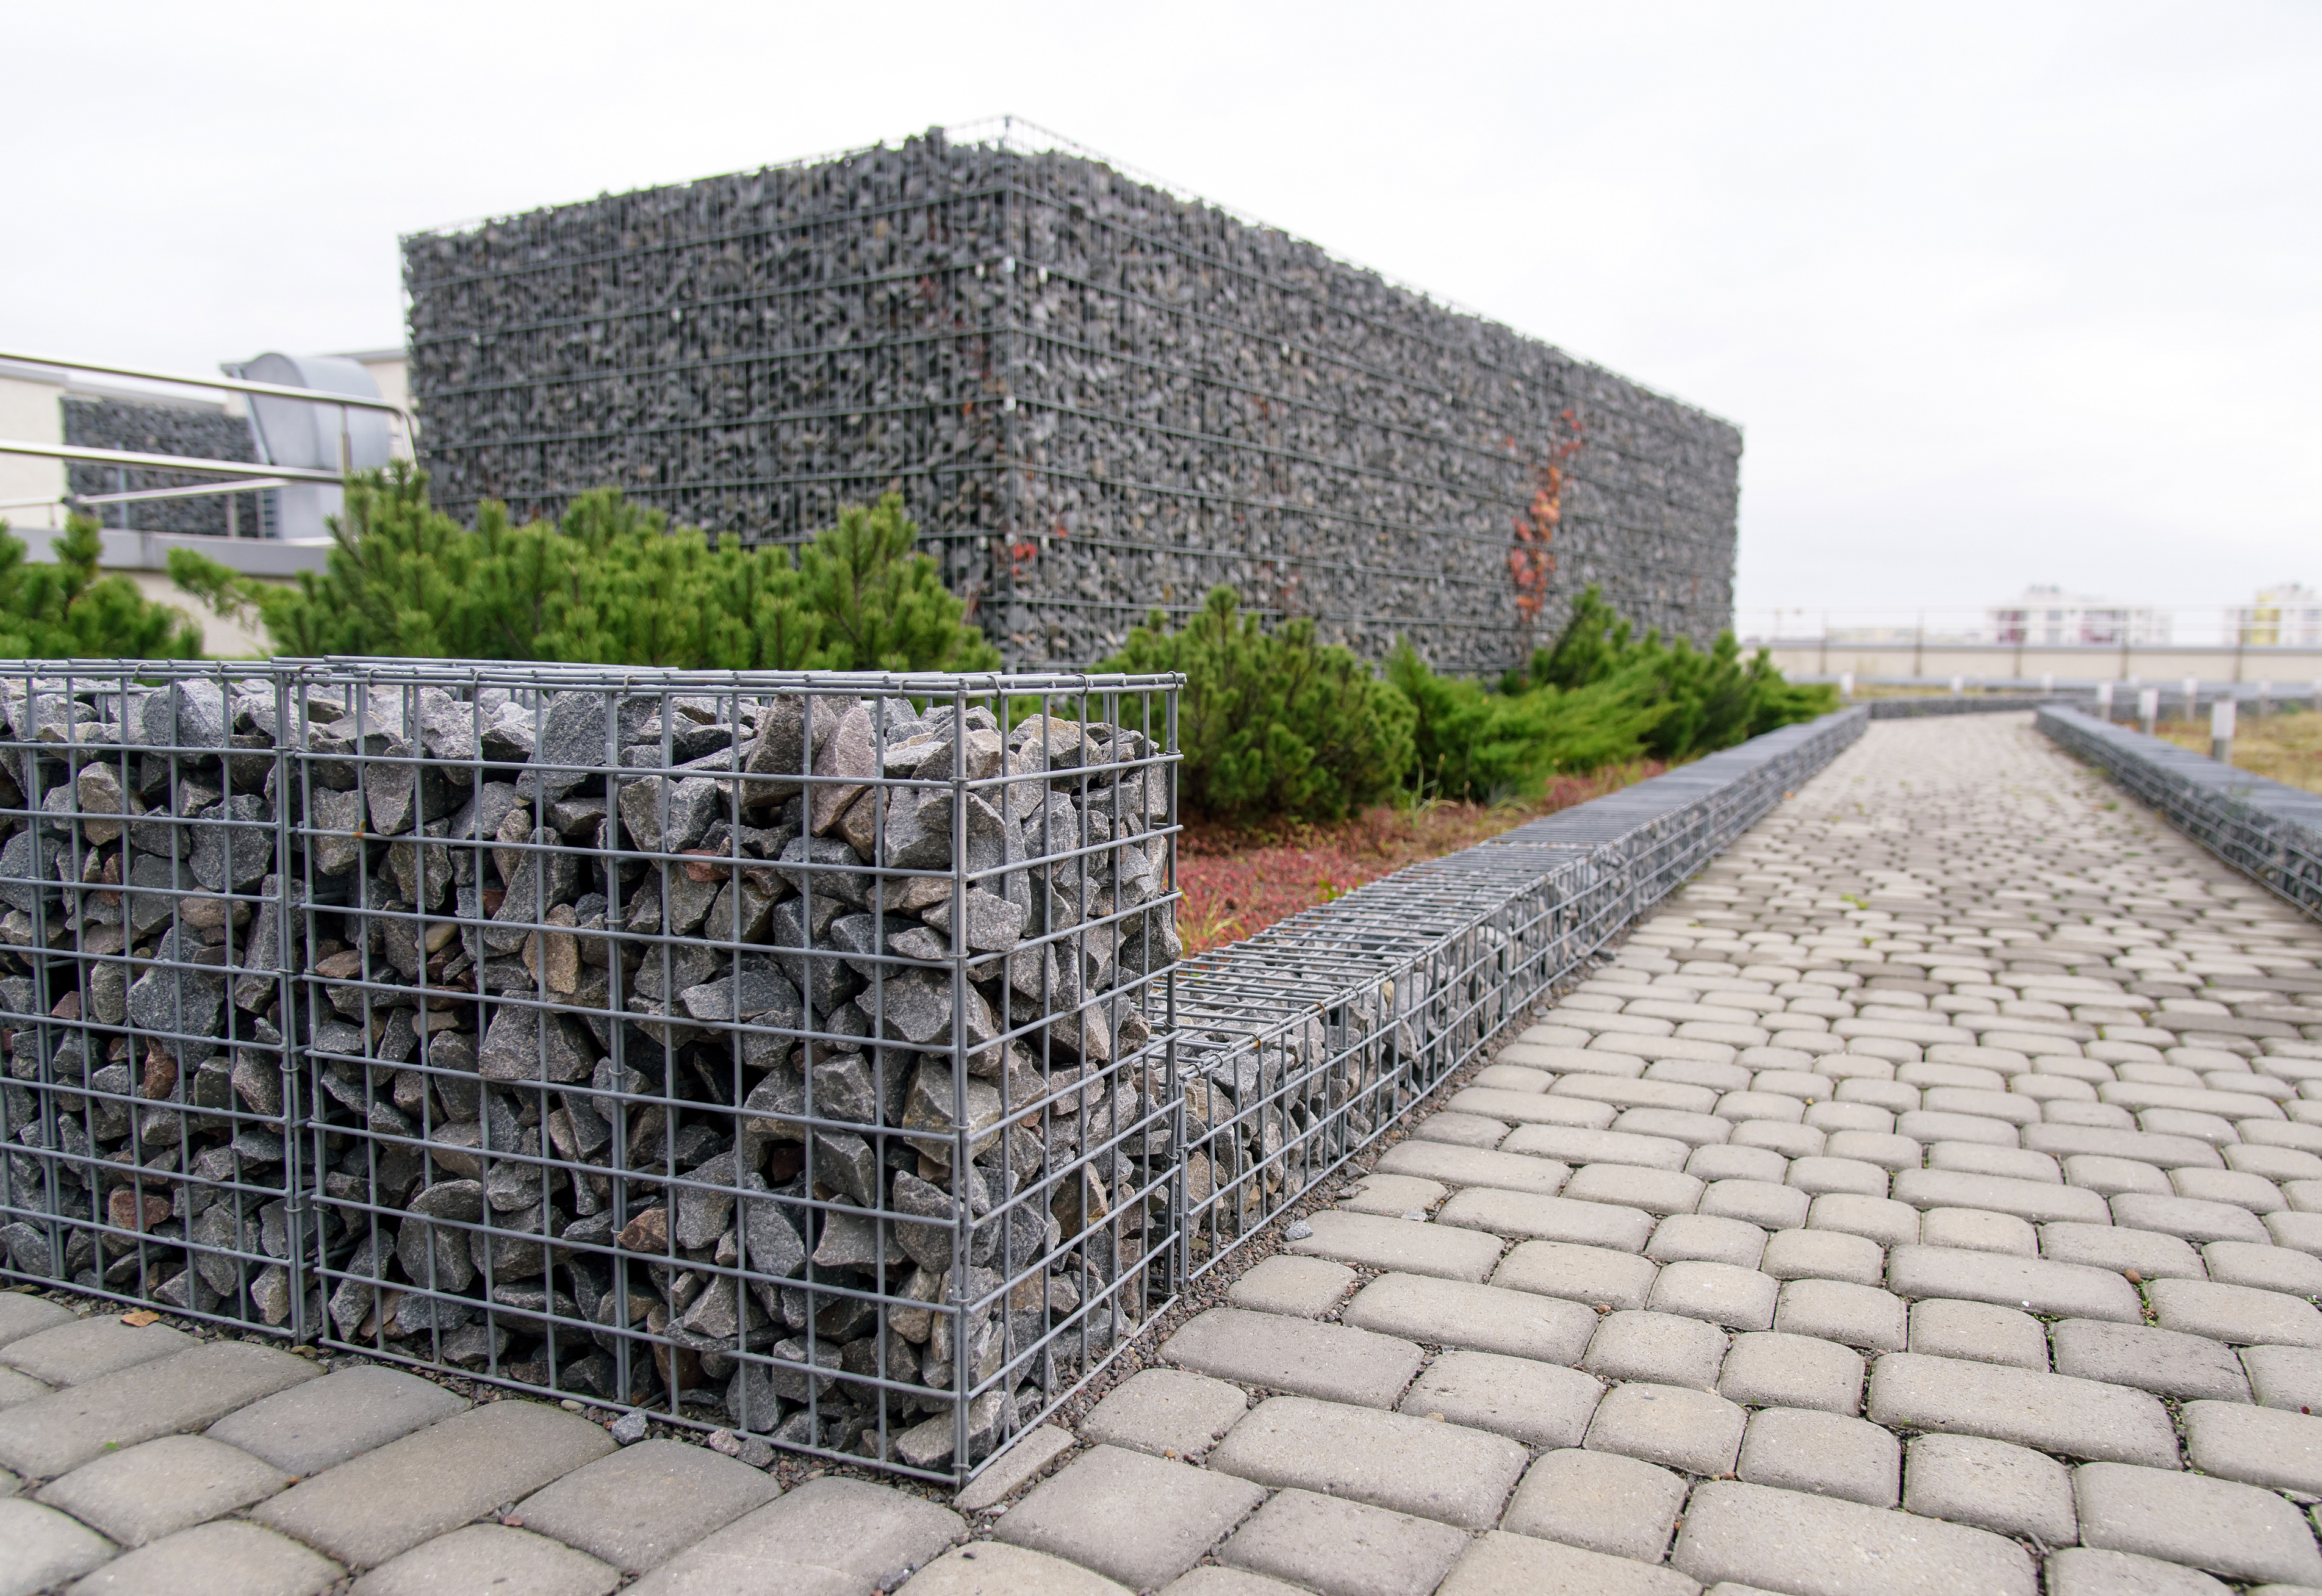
324	437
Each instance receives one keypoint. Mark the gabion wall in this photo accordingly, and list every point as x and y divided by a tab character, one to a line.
1097	400
775	1053
159	429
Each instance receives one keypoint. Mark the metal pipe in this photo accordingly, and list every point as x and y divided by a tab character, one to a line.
160	462
238	385
198	490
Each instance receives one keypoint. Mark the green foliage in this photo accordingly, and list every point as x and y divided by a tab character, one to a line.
67	611
1471	742
1274	723
613	583
1708	701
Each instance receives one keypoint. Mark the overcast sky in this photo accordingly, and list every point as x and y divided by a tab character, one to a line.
1998	293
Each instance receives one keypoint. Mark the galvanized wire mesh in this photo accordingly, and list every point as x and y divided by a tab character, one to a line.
2267	829
1304	1044
776	1054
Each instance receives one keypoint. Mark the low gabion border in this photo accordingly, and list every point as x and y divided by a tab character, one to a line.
2268	830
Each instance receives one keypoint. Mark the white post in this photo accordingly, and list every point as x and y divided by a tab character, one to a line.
2148	709
2221	731
2104	700
2192	695
1846	684
2264	693
1959	685
2047	681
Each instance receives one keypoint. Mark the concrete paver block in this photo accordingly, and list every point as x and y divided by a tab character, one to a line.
1335	1362
75	1350
1019	1462
1392	1194
1823	1255
1629	1185
1133	1518
1728	1161
1884	1220
1857	1176
1503	1564
1993	1485
1770	1369
2227	1528
1372	1241
1571	1145
2265	1268
1805	1449
635	1507
1345	1548
1539	1404
2166	1362
2284	1377
1448	1129
40	1547
23	1314
2038	1285
1602	1501
1667	1349
2236	1314
1285	1283
1841	1311
1677	1428
312	1427
186	1390
1486	1318
1818	1545
1211	1580
2153	1256
163	1486
2271	1446
1978	1230
1512	1167
1979	1331
1720	1293
2189	1217
2053	1412
1548	1218
230	1557
1577	1274
1412	1465
493	1558
2109	1176
1165	1411
1761	1203
1706	1238
2084	1570
846	1538
368	1508
995	1568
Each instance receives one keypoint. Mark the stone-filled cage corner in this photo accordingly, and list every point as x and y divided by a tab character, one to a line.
786	1054
1099	398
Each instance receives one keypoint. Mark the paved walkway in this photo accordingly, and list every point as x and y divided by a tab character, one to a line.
1924	1202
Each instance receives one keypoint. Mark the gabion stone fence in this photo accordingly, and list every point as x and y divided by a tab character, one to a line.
2266	829
809	1056
784	1053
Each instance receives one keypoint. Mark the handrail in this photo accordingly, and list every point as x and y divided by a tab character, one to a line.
239	385
166	462
199	490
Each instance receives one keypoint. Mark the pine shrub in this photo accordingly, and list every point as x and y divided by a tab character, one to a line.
1272	723
67	611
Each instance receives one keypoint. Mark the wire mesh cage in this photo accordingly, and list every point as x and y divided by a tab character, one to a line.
777	1056
148	1104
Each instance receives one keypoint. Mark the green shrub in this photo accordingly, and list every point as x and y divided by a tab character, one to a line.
67	611
609	583
1708	701
1474	744
1274	723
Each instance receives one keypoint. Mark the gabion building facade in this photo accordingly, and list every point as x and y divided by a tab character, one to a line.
1098	398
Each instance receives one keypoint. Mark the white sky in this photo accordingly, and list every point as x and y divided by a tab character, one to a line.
2001	292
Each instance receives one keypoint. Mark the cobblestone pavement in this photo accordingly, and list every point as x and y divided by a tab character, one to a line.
1924	1201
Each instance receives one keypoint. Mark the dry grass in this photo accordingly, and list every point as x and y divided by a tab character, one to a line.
2286	747
1238	879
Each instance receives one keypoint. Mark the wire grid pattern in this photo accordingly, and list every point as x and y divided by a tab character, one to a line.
1071	374
2267	829
1303	1046
782	1054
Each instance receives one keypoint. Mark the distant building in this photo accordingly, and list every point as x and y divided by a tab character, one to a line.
2287	615
2050	616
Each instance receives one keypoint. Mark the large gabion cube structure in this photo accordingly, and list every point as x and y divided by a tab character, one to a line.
1099	398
